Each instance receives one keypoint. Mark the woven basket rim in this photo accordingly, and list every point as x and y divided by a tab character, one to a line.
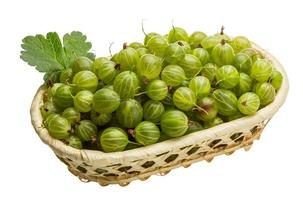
232	126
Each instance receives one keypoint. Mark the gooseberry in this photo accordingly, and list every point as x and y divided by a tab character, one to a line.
146	133
266	93
127	84
81	64
83	101
196	38
113	139
153	110
174	123
227	76
226	102
72	115
129	114
86	130
173	75
191	65
100	119
157	90
223	54
85	80
184	99
149	67
106	101
200	85
248	103
261	70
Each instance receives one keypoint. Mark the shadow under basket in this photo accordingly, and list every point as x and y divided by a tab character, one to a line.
123	167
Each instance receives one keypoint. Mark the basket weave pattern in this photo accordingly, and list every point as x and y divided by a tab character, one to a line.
123	167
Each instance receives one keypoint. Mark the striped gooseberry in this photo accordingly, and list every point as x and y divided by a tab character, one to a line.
227	77
146	133
149	67
100	119
86	130
248	103
126	84
174	123
113	139
105	101
184	98
153	110
177	33
173	75
130	113
200	85
226	102
85	80
191	65
157	90
83	101
72	115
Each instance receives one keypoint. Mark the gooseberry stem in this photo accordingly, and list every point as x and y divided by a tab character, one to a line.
138	94
135	143
142	27
131	132
222	30
223	41
200	109
124	45
110	49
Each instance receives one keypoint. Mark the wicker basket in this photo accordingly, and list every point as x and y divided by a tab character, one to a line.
123	167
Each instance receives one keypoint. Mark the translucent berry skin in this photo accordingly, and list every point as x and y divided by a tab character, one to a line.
226	102
106	101
177	33
147	133
63	97
83	101
58	127
174	53
254	54
142	51
136	45
209	105
202	55
261	70
157	45
239	43
113	139
157	90
72	115
52	91
85	80
227	77
213	123
223	54
149	67
74	141
184	99
242	62
99	62
81	64
209	70
153	110
200	85
196	38
266	93
185	46
149	36
248	103
173	75
100	119
128	59
276	79
129	114
48	108
191	65
86	130
107	72
194	126
127	84
210	42
244	85
66	75
174	123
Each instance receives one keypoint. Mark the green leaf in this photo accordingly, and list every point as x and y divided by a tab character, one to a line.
54	39
75	45
40	52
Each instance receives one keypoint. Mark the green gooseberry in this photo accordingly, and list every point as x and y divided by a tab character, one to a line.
85	80
177	33
107	71
239	43
149	67
226	102
210	109
127	84
202	55
113	139
185	45
157	45
173	75
209	70
244	85
157	90
136	45
111	87
223	54
147	133
66	75
130	113
105	101
153	110
82	64
196	38
191	65
58	127
168	101
54	88
276	79
210	42
242	62
99	62
128	59
74	141
142	51
83	101
63	97
142	98
72	115
49	118
100	119
194	126
253	53
227	77
174	123
261	70
215	122
222	35
174	53
184	99
149	36
200	85
266	93
248	103
86	130
48	108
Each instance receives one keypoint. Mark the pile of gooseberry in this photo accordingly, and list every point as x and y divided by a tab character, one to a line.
168	86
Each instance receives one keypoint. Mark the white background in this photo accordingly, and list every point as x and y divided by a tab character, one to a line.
272	169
